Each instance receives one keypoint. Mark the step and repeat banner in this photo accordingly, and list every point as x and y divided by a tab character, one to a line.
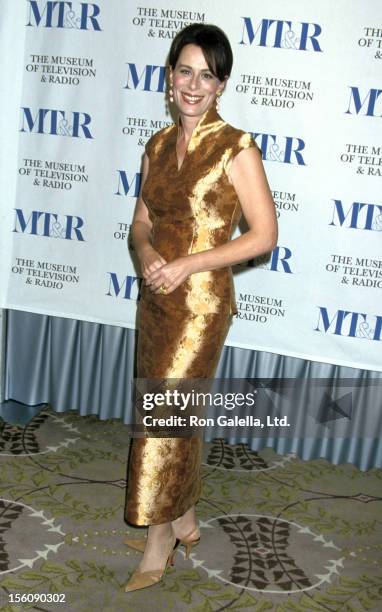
306	83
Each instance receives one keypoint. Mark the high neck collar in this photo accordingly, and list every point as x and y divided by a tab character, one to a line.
206	121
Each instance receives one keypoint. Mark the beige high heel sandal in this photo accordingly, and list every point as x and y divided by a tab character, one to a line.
141	580
188	542
136	543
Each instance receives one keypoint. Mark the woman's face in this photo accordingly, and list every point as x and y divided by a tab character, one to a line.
195	87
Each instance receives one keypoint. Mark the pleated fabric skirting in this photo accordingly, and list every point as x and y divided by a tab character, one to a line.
164	473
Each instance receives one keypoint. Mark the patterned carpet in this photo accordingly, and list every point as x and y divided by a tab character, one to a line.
278	534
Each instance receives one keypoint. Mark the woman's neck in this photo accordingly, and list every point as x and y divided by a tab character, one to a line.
188	124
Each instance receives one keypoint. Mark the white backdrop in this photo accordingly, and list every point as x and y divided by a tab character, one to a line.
306	82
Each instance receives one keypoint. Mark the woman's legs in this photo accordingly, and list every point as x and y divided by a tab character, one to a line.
186	525
161	539
160	542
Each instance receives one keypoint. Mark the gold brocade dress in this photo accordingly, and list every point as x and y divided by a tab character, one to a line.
181	335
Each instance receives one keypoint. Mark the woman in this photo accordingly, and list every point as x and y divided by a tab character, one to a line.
199	176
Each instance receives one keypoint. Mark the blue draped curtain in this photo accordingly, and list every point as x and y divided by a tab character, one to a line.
89	367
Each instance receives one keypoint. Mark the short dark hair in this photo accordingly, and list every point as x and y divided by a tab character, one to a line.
213	42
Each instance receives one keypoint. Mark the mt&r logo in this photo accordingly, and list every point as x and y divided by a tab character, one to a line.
370	105
62	15
148	78
278	148
359	215
279	34
54	122
349	324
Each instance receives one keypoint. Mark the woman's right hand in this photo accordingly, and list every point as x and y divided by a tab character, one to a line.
150	260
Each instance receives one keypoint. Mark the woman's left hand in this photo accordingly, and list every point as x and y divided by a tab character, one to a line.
170	275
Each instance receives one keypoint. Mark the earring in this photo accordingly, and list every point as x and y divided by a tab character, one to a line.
171	93
217	100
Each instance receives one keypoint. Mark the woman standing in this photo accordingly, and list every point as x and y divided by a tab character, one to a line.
199	176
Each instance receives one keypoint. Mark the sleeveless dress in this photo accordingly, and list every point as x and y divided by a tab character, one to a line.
181	335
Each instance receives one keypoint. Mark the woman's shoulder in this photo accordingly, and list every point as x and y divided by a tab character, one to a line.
238	139
159	139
